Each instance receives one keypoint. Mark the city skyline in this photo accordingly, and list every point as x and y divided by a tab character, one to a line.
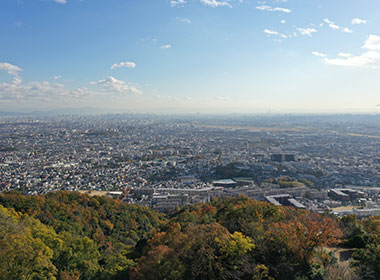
183	56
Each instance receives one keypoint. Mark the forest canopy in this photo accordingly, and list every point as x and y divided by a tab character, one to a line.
68	235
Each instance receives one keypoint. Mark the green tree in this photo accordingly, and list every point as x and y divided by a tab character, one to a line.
367	261
23	254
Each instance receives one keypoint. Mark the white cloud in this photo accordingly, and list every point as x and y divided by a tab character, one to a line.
283	21
126	64
307	31
346	30
184	20
33	91
319	54
270	32
112	85
331	24
272	9
60	1
274	32
175	3
359	21
41	92
166	46
370	58
81	92
57	77
215	3
17	80
10	68
372	43
334	26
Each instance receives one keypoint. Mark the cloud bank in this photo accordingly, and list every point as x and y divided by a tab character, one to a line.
370	58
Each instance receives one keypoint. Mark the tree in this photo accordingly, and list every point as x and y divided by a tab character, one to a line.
23	255
367	260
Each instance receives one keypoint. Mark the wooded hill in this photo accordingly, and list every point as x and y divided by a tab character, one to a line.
68	235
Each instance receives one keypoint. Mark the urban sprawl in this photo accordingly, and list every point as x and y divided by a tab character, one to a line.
165	162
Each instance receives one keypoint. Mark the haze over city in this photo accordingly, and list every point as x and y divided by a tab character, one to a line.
184	56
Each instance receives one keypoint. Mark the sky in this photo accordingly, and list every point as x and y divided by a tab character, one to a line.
191	56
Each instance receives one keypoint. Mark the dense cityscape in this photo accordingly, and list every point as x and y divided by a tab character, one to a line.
165	162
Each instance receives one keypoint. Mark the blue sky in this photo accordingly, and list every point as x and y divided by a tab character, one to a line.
179	56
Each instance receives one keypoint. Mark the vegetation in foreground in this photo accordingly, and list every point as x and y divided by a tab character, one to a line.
67	236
